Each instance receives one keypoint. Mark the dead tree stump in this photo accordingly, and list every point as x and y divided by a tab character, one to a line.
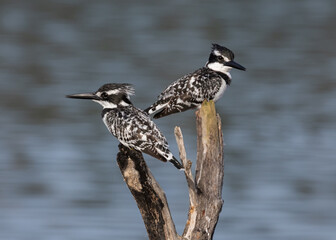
205	190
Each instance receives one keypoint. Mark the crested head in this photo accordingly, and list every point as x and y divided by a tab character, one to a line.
109	95
221	60
114	94
117	88
219	50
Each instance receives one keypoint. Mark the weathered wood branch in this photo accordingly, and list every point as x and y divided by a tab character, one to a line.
149	196
205	190
190	225
209	171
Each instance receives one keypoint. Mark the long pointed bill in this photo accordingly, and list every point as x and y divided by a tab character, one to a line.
233	64
84	96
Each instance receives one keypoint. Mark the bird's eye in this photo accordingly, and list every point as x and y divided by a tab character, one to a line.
220	58
104	95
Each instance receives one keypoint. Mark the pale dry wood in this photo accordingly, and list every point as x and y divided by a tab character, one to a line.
190	225
205	190
209	171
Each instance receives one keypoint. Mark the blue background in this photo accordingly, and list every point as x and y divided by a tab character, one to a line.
58	174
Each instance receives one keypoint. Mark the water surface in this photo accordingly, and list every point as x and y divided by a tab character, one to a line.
58	175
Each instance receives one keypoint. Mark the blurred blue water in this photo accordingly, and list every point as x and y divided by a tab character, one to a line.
58	176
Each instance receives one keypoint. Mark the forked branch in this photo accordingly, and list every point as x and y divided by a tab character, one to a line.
205	190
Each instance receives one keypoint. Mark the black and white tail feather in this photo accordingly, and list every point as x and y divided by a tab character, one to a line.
191	90
130	125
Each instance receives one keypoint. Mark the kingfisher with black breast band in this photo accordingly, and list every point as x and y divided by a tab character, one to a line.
130	125
208	82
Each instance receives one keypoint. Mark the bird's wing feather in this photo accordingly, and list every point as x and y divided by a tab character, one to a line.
176	88
138	131
187	92
177	104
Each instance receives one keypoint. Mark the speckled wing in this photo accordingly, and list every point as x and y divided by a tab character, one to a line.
133	128
187	92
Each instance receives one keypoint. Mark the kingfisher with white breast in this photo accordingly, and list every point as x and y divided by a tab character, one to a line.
208	82
130	125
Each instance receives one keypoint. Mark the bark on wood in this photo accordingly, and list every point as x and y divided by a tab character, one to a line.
205	190
209	171
149	196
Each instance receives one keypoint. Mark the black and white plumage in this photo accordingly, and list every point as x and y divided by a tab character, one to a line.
130	125
190	91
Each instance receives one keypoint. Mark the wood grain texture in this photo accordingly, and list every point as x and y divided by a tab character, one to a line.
149	196
205	189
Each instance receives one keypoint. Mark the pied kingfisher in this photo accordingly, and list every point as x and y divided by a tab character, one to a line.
130	125
190	91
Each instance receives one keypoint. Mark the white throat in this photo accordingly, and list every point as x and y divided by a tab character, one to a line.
106	104
218	67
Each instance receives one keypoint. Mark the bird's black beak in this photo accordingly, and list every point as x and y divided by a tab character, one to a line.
233	64
91	96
